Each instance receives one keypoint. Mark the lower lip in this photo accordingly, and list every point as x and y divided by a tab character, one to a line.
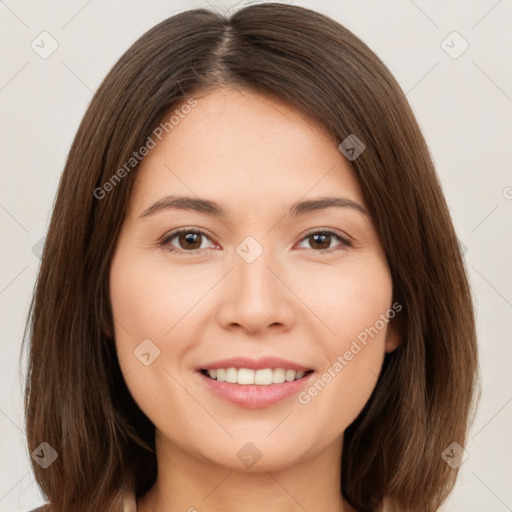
254	396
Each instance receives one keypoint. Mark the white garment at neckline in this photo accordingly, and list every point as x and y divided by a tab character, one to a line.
129	501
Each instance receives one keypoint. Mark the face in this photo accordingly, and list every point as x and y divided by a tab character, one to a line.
269	278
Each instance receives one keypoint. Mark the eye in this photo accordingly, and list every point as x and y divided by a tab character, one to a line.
322	239
191	240
188	240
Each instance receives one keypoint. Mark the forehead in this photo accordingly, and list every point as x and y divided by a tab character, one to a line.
246	150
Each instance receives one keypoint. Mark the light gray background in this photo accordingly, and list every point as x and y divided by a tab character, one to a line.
464	108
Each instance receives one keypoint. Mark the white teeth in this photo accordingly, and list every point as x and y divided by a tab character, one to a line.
263	377
290	375
247	376
231	375
278	375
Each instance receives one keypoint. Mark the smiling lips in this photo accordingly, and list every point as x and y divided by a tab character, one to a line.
254	383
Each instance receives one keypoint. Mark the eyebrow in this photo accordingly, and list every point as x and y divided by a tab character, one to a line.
214	209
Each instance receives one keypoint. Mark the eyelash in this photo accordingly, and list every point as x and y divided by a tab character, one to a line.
164	242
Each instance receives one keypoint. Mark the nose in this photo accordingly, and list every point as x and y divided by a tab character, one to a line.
256	297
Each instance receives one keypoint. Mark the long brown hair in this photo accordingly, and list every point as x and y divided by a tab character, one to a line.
76	399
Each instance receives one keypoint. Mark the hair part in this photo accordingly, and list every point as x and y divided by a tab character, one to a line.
76	398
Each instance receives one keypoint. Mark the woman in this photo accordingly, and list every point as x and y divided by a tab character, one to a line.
251	294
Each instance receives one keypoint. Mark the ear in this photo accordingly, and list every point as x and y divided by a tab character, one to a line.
395	333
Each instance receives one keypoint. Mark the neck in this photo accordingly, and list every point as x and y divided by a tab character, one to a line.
190	483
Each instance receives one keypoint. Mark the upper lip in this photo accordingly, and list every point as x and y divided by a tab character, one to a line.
255	364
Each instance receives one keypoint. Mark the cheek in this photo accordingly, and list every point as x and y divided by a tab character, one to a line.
150	301
356	307
348	298
144	309
157	317
150	319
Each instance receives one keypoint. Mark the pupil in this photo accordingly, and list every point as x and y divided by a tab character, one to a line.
325	236
191	238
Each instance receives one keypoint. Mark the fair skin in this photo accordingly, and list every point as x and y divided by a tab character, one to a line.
203	302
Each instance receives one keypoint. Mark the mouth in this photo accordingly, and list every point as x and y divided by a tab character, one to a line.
260	377
255	389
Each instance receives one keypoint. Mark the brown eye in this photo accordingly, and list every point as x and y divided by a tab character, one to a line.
187	241
321	240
